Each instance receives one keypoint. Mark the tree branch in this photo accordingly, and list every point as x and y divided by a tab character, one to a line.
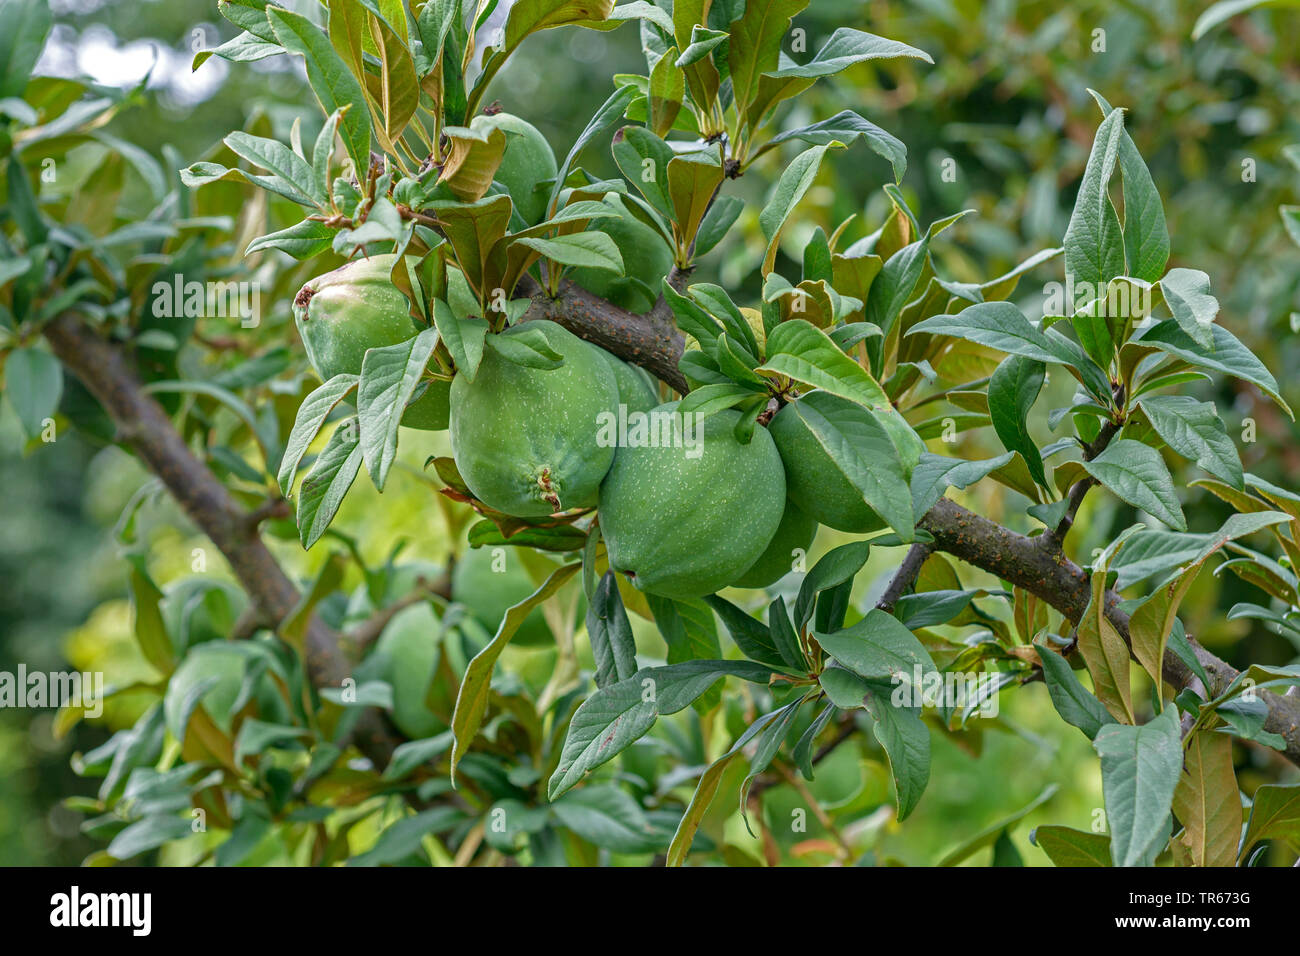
905	577
144	426
1052	576
651	341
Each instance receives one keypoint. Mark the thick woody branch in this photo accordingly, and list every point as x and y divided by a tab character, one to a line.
651	341
1052	576
143	425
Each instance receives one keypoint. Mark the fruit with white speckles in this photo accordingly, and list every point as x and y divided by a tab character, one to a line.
526	439
357	307
794	534
683	522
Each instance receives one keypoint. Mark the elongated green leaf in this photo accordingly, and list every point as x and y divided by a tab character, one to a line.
1149	553
847	127
607	817
1140	767
755	46
34	383
389	377
866	455
586	250
312	413
615	716
1228	355
934	474
472	697
1137	473
330	80
1146	235
1187	293
331	476
878	647
610	633
906	741
1067	847
799	350
1195	430
1013	389
24	25
1094	240
794	183
1076	706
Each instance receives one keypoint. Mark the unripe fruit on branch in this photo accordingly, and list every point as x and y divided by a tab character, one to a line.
525	439
357	307
527	167
683	522
816	484
795	533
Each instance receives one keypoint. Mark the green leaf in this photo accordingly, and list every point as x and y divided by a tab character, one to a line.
472	696
1136	473
607	817
798	349
615	716
24	25
1076	706
585	250
1140	767
526	346
643	158
845	689
795	181
389	377
1013	389
1195	430
1067	847
1274	814
1228	355
404	837
312	413
1094	240
464	338
1187	293
292	177
878	647
330	80
331	476
934	474
865	453
1149	553
750	635
847	47
906	741
847	127
990	833
693	180
755	46
834	568
34	383
610	633
1146	235
150	629
302	240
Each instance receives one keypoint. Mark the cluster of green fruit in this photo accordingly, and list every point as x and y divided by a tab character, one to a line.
680	521
527	439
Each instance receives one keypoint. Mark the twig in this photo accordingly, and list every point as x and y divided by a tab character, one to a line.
145	426
905	577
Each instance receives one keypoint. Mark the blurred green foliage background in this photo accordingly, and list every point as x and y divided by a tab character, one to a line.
1004	110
